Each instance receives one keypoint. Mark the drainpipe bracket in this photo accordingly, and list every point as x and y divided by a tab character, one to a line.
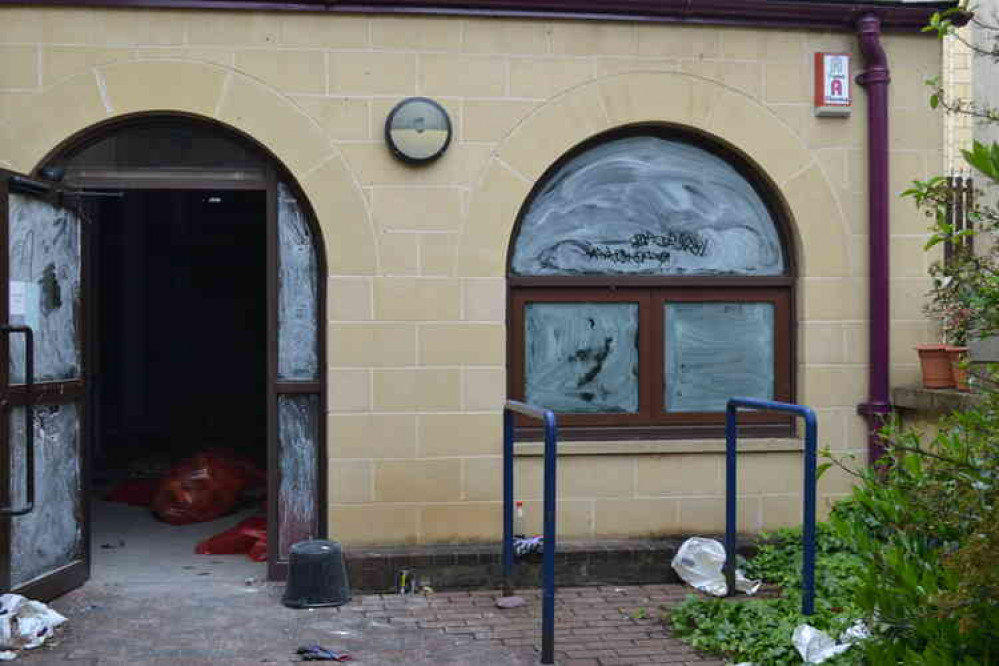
870	409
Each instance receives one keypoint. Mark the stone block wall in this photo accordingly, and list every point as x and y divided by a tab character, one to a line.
417	293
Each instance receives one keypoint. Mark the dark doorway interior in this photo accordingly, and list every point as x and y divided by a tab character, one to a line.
181	358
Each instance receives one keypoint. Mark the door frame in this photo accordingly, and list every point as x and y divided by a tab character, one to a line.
274	171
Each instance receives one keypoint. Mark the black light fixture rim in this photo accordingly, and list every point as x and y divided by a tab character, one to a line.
418	160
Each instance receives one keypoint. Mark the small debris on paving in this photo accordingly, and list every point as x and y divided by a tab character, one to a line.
155	625
510	602
319	653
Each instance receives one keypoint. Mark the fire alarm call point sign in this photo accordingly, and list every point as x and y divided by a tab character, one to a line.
832	84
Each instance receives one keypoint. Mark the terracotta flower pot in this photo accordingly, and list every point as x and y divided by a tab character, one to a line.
960	373
936	366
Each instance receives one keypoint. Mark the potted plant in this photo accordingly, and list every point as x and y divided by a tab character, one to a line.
964	296
943	365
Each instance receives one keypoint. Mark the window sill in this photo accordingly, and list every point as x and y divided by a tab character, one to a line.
919	399
761	445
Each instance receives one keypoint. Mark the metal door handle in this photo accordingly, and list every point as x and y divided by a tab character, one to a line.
29	418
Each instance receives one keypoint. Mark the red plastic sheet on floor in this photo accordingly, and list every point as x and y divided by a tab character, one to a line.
249	537
137	492
205	487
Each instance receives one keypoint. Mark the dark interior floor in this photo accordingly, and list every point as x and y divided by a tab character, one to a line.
131	545
181	334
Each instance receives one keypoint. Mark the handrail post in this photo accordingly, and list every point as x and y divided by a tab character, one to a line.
808	531
507	503
550	514
731	484
808	510
548	566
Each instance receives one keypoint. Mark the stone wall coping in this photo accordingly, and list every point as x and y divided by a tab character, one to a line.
919	399
597	448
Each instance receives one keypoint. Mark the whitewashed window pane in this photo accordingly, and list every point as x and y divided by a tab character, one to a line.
45	287
582	357
298	293
716	351
649	206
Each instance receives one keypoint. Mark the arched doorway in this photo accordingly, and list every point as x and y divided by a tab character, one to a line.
172	272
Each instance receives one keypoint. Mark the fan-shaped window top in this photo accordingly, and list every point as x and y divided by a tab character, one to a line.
647	206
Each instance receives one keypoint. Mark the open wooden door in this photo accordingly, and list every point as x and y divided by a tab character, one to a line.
44	549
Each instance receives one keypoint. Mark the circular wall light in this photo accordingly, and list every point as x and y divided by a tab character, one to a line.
418	130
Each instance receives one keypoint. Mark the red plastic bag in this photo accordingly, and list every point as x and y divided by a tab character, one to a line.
249	537
258	553
204	488
137	492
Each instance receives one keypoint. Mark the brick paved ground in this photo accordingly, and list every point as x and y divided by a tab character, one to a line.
230	623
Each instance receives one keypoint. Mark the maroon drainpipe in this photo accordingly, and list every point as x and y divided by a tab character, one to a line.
875	80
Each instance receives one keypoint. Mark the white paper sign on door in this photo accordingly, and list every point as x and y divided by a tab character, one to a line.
23	304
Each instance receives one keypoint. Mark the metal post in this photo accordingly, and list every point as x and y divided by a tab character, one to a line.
550	512
730	497
808	531
507	503
808	510
548	566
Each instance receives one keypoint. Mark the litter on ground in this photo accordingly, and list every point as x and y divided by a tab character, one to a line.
24	624
510	602
816	646
700	563
319	653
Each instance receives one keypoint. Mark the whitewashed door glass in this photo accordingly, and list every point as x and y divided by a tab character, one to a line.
50	537
298	425
44	253
298	293
298	361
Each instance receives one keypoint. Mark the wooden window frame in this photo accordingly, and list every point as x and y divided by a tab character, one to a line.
569	288
652	421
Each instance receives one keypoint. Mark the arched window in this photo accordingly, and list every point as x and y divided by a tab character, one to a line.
650	282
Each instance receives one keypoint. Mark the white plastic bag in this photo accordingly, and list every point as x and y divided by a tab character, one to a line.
815	645
25	624
699	562
856	633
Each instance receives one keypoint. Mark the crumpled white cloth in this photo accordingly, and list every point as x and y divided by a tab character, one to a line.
24	624
699	562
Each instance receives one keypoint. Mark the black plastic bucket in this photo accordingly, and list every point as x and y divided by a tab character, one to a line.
317	575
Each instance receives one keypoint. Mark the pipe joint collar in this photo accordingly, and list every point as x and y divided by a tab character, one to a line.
873	77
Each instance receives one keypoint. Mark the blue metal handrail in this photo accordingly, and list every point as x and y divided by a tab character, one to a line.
808	517
548	564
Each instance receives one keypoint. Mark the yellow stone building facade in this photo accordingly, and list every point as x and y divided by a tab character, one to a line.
416	259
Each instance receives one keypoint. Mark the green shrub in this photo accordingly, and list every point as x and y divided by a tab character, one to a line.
924	523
